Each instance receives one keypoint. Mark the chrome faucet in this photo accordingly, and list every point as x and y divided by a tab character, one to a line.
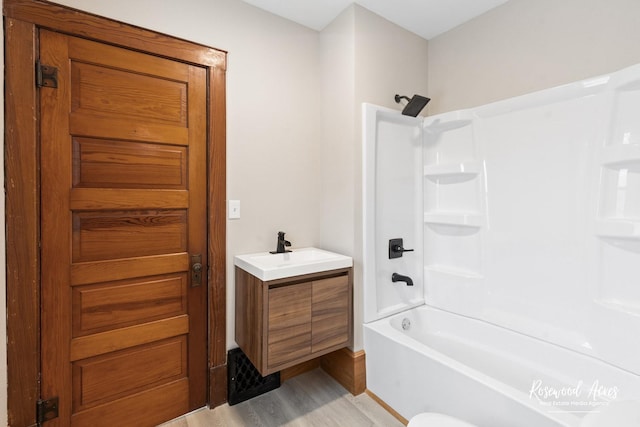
395	277
282	243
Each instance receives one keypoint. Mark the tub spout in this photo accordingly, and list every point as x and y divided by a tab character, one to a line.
395	277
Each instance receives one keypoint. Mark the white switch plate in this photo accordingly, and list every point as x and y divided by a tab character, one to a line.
234	209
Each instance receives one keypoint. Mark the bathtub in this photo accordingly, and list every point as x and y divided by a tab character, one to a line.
429	360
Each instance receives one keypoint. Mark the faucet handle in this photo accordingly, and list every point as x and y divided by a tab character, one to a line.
281	244
396	248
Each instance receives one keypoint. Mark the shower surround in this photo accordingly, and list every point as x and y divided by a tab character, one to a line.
526	217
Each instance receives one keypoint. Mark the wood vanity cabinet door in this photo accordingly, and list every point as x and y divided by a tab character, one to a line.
289	320
330	313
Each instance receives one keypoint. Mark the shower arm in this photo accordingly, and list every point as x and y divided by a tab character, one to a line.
414	105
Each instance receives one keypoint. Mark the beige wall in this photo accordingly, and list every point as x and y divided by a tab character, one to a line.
388	60
528	45
365	58
337	58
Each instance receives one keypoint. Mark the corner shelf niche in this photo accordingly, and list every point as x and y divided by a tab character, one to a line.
621	156
462	219
462	171
619	204
618	228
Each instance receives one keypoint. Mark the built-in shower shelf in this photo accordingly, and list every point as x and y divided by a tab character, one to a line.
451	271
618	228
622	157
462	170
464	219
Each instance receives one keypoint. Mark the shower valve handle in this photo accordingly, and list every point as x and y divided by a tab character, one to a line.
396	248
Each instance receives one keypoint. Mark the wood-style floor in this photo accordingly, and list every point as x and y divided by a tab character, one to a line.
311	399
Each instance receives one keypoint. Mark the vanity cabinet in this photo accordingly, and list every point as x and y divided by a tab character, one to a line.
283	322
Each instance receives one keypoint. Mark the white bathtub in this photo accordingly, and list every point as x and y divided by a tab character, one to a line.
488	375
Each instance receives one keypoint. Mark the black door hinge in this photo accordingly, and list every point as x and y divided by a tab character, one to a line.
46	410
46	75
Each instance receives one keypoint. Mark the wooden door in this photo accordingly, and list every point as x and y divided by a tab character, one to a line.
123	210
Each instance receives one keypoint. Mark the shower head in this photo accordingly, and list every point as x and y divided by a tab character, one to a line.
414	105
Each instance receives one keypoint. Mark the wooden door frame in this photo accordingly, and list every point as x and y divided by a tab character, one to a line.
22	21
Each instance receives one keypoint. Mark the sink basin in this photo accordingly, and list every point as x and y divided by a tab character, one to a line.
266	266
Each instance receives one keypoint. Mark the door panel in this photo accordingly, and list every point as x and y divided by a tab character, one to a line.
115	94
102	235
121	164
118	339
116	269
98	308
123	208
105	378
127	411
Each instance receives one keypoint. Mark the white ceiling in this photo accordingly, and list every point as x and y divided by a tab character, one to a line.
427	18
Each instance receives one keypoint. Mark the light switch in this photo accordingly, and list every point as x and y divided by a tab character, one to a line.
234	209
